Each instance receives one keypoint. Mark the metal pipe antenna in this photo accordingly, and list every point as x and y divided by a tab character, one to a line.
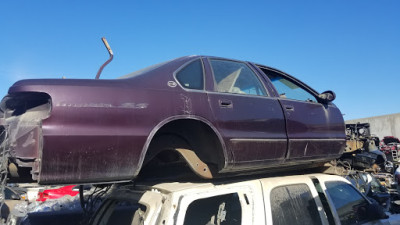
108	61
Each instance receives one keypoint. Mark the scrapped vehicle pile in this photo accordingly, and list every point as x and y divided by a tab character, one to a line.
209	116
390	146
362	149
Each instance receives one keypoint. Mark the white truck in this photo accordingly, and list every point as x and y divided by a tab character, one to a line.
299	199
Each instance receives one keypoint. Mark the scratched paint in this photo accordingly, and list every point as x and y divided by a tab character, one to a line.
187	104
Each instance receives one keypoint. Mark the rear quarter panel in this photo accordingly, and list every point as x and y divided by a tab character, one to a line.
98	129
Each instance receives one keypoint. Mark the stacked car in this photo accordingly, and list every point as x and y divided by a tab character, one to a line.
212	116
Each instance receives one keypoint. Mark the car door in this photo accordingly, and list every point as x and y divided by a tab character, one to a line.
350	206
314	129
251	123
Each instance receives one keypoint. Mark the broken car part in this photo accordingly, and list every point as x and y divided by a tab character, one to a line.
73	131
109	60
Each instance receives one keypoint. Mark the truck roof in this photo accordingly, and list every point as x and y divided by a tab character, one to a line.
172	187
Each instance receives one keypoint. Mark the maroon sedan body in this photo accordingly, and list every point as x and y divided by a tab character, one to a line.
237	116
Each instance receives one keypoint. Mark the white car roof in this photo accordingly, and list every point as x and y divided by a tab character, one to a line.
173	187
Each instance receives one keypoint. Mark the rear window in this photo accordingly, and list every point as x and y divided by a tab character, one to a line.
144	70
294	204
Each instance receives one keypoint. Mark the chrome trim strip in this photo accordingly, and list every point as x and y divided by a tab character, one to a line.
330	139
243	95
257	140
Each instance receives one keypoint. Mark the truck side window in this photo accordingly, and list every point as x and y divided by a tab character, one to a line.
350	205
294	204
222	209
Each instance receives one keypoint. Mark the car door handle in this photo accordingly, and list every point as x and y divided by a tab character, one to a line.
289	107
225	103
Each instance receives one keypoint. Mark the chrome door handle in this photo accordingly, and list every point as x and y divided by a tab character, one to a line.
225	103
289	107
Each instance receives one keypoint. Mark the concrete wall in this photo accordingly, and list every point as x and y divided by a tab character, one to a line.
387	125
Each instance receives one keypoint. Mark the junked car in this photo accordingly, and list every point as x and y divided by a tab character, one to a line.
389	144
217	115
300	199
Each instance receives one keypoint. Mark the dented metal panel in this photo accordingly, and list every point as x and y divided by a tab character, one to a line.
83	131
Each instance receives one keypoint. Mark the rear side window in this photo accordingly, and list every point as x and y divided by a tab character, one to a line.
350	205
294	204
222	210
191	76
236	77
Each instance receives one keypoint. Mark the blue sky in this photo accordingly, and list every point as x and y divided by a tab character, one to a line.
349	46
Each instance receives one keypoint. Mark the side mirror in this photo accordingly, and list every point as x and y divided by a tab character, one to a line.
375	212
15	197
327	96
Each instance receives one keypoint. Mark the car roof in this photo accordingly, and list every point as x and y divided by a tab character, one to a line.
173	187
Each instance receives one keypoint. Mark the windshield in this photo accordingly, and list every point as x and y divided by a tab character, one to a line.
144	70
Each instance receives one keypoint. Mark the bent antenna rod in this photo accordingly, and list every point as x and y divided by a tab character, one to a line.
108	61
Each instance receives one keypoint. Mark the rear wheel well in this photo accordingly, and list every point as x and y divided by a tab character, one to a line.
188	134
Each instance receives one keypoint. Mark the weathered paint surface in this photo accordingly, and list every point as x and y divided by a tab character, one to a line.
99	130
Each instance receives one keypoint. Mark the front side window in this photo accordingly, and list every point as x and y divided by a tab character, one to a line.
288	89
222	209
294	204
350	205
236	77
191	76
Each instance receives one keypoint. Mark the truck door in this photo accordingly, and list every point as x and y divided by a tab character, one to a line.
227	204
292	200
314	129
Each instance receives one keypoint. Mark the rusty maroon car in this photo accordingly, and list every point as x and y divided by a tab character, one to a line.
217	115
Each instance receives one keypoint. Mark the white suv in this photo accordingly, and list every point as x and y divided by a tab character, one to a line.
301	199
